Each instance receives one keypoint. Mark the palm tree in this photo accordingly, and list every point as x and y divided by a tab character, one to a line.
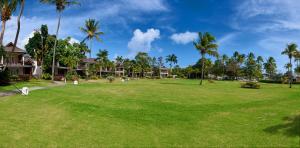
22	2
102	58
224	61
172	59
297	58
206	45
290	51
270	67
92	31
7	7
60	7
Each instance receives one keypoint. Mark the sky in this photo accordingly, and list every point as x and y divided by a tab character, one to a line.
163	27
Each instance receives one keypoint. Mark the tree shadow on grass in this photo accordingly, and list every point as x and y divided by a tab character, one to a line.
174	83
290	127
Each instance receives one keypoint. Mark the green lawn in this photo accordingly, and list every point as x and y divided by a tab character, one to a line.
31	83
153	113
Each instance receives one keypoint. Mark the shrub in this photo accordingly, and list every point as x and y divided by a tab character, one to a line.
72	75
251	85
110	79
46	76
94	77
4	78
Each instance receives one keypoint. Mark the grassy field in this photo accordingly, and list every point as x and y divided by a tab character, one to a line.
31	83
153	113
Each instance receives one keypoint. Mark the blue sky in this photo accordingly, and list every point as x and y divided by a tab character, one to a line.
163	27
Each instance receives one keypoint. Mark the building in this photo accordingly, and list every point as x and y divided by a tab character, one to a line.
119	70
164	72
19	63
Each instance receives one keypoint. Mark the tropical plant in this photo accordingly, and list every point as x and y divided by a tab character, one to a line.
270	67
171	59
250	68
7	7
92	32
102	59
22	5
206	45
143	62
60	7
290	51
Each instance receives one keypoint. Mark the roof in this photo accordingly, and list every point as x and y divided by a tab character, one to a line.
9	47
88	60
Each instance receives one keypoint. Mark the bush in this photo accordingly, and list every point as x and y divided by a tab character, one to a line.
251	85
94	77
46	76
110	79
72	75
4	78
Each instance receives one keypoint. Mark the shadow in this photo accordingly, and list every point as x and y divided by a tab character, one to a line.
290	127
174	83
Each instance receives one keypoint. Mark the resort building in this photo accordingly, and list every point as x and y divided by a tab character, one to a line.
164	72
19	63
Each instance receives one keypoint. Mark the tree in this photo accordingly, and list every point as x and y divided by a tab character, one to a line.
172	59
7	7
92	32
38	45
160	61
259	62
206	45
270	67
60	7
143	62
22	4
290	51
297	58
102	59
224	61
250	68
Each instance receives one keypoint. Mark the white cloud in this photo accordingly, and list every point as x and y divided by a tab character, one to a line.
184	38
142	41
268	15
227	39
146	5
73	40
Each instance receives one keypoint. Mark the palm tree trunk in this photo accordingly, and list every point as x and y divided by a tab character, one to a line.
2	31
202	69
100	71
19	25
291	73
90	49
55	44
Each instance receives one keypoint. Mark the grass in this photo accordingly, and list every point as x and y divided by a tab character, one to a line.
31	83
153	113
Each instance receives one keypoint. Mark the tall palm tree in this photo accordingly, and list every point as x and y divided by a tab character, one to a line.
60	7
297	58
102	58
206	46
7	7
270	67
91	29
172	59
290	51
22	4
224	61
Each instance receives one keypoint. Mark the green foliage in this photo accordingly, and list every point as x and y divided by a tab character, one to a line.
46	76
270	67
72	76
251	85
110	79
4	78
